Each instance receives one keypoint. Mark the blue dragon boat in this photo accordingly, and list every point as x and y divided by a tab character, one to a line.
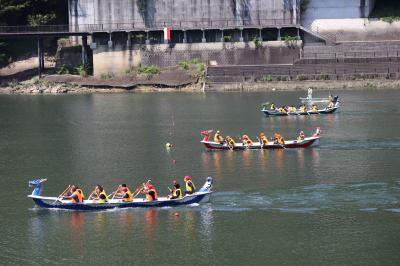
201	196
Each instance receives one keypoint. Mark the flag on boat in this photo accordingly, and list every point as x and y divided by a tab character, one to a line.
167	34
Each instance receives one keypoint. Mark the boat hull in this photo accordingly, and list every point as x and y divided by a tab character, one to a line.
54	203
277	113
307	142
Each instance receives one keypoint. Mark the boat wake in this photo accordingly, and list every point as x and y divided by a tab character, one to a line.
369	197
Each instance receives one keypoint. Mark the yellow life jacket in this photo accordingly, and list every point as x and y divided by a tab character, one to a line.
103	200
189	189
129	198
174	194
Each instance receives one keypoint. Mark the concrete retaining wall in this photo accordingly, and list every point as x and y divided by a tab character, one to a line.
118	59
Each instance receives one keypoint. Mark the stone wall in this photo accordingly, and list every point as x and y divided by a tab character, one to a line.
118	59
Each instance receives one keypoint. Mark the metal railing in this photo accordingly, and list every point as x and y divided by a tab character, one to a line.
148	25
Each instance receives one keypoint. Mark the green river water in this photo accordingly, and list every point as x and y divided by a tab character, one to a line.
336	204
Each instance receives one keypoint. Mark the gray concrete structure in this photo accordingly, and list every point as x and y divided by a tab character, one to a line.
336	9
182	14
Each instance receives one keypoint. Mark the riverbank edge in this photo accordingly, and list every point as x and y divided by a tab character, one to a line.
67	88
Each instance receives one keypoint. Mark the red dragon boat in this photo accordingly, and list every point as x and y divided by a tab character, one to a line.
289	144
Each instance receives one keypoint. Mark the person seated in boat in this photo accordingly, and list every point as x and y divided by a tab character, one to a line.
218	138
272	107
230	142
292	109
75	194
124	193
150	191
189	185
282	109
263	139
314	108
330	105
303	109
246	141
278	139
301	136
176	192
100	194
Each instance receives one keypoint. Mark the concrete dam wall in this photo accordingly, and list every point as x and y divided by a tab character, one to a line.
183	13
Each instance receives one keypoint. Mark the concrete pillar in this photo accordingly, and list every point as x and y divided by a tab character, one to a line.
260	35
241	35
129	39
84	53
279	34
147	37
184	36
204	36
110	43
40	53
222	35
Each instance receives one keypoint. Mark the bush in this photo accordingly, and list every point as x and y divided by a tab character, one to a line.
81	71
227	38
64	69
184	64
105	76
302	77
323	76
257	43
148	70
267	78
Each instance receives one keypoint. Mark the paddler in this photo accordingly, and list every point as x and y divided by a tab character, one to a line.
176	192
100	194
263	139
301	137
75	194
272	107
124	193
331	104
230	142
218	138
189	185
314	108
278	139
303	109
282	109
246	141
150	191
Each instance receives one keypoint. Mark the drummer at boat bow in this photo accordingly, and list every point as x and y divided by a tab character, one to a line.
190	187
301	136
124	193
176	192
218	138
75	194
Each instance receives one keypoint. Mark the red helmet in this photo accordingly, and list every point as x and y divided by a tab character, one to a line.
188	178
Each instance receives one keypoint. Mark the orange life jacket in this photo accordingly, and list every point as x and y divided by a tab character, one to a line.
149	197
79	194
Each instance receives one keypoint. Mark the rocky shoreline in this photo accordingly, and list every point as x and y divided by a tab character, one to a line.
44	86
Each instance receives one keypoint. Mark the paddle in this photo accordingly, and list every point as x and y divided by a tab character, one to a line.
60	196
115	192
91	194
